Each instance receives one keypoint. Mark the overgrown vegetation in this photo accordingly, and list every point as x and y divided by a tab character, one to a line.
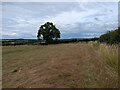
109	53
108	47
111	37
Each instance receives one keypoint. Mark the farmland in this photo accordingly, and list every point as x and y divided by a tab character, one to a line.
72	65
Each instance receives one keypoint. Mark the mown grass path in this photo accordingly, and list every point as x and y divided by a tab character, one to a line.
74	65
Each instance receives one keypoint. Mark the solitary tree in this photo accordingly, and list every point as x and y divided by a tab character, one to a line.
48	32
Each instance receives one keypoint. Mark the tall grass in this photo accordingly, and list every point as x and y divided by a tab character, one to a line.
109	53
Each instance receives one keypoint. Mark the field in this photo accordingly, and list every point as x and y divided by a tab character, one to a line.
73	65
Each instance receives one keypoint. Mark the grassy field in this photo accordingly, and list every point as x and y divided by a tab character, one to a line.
73	65
108	52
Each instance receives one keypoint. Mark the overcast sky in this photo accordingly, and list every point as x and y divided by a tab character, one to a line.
73	19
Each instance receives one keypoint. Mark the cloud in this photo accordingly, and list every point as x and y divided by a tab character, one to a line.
74	19
60	1
69	17
88	17
9	35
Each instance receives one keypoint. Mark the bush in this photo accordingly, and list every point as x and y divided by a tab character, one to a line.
111	37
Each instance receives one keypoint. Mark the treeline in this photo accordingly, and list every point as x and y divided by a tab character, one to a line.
73	40
69	40
111	37
37	42
19	42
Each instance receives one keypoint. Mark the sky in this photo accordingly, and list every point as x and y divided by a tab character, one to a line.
73	19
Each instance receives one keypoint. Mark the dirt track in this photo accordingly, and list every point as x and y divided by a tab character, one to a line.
64	65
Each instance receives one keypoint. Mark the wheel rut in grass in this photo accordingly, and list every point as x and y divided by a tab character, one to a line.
65	65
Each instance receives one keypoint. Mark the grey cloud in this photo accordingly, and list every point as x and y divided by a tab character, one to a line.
73	19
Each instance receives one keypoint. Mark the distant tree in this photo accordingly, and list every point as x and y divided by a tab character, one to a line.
48	32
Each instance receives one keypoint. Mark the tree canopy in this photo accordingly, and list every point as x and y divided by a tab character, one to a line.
111	36
48	32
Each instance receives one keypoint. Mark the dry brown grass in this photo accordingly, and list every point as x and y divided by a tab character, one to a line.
109	53
63	65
